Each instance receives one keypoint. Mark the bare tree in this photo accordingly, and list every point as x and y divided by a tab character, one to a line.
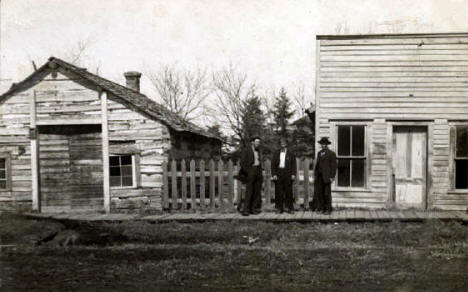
183	92
300	100
232	90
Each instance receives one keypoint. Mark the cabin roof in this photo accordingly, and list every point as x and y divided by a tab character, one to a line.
390	36
135	99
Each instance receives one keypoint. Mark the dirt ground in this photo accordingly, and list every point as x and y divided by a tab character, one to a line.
44	255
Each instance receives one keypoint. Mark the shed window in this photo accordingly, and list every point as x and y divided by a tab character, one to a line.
122	171
4	172
461	157
351	156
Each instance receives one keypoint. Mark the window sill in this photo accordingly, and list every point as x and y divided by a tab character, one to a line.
123	188
460	191
356	190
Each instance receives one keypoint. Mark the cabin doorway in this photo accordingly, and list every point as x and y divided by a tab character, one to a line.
409	165
70	168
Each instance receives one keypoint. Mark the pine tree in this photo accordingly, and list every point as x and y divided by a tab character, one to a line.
282	113
253	119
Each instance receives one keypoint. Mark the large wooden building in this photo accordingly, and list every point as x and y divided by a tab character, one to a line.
396	109
73	141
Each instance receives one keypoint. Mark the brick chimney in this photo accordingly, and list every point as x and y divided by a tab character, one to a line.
133	80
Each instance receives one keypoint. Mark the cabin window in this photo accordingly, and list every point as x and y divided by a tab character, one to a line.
4	172
122	171
461	157
351	156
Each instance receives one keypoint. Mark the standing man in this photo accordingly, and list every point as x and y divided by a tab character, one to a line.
325	171
251	163
284	173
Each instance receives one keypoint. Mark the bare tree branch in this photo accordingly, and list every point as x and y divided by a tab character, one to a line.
183	92
231	91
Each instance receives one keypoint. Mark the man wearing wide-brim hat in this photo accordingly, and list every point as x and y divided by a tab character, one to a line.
324	173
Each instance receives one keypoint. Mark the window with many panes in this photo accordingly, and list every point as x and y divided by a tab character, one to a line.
351	156
3	173
122	170
461	157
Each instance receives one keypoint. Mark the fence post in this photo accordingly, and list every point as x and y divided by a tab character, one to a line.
193	190
231	184
212	184
267	184
165	186
220	183
184	184
306	183
174	184
202	184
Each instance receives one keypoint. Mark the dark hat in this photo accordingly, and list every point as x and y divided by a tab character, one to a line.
324	140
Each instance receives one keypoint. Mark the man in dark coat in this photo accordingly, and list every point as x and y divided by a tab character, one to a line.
251	164
283	166
324	173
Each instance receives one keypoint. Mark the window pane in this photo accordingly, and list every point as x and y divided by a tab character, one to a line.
461	176
2	174
343	173
462	142
114	160
2	184
358	141
127	170
114	181
126	160
115	171
2	162
358	179
344	140
127	181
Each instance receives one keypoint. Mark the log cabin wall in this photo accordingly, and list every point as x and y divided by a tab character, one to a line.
148	141
189	146
65	99
383	82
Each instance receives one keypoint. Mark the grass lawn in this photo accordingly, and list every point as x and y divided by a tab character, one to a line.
233	256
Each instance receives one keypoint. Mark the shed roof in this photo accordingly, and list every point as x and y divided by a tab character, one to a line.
135	99
389	36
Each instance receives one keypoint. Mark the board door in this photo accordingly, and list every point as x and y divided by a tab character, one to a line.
410	166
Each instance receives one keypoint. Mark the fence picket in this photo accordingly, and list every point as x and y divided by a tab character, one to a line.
267	181
184	185
165	186
212	184
239	188
306	183
221	183
231	184
202	184
174	185
193	190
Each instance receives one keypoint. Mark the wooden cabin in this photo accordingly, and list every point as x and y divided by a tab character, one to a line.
73	141
396	110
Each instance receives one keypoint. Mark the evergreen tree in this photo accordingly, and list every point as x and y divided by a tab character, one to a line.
253	119
282	113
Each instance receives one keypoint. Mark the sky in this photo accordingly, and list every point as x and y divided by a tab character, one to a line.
271	41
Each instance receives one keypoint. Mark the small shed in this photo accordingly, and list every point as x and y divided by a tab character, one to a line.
73	141
396	110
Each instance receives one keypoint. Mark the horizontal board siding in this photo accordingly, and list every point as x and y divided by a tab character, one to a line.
394	78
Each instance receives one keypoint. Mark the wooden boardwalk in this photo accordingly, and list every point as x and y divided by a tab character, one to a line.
347	215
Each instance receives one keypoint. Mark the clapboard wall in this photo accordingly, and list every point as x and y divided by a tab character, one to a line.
393	79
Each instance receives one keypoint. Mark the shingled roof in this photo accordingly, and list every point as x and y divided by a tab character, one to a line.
138	101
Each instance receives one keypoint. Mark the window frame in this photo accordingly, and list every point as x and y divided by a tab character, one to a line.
454	157
365	157
7	157
135	171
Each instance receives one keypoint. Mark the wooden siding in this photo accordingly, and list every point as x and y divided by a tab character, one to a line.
423	78
388	80
70	171
151	142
